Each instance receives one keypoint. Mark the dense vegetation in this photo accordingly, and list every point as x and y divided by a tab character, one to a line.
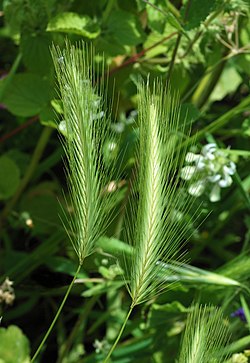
165	88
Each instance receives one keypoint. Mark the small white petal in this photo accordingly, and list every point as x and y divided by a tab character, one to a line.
214	178
200	163
226	182
187	172
230	169
215	193
190	157
210	156
208	149
196	189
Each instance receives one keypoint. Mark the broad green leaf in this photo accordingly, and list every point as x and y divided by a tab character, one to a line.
13	13
48	117
9	177
189	112
243	61
114	246
14	346
180	79
35	52
73	23
151	40
173	21
42	205
28	15
124	28
111	47
156	18
228	83
27	94
197	12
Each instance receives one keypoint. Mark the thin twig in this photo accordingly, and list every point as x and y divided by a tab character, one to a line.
18	129
56	317
171	66
137	56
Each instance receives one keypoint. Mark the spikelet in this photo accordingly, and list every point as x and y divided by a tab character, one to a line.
205	336
86	125
157	236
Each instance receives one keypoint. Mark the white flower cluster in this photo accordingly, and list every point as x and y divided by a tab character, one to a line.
210	169
7	294
239	358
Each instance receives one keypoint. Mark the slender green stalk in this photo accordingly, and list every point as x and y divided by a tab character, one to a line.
41	145
219	122
178	40
171	66
120	334
207	85
56	316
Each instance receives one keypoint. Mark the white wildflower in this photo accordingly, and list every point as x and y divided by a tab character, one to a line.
211	169
7	294
239	358
101	346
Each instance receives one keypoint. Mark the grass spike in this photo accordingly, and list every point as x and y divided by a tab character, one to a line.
82	99
156	235
205	336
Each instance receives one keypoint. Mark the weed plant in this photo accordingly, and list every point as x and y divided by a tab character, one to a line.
141	253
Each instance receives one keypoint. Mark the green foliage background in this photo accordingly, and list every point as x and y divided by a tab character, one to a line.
203	51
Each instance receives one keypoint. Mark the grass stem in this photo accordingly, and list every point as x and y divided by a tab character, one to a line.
56	316
120	334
